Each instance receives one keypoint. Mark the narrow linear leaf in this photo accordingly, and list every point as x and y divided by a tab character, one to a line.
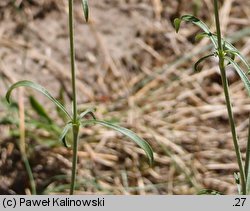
196	21
39	109
200	36
247	162
52	128
241	73
85	7
231	54
130	134
196	65
64	133
202	25
86	112
60	99
39	88
236	52
177	23
230	47
211	36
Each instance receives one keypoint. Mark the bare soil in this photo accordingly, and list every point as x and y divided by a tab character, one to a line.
134	68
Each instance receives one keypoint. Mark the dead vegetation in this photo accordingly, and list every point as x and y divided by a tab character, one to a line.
138	72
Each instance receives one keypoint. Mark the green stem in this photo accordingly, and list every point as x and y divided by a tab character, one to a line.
74	162
30	174
232	125
22	143
75	126
228	101
72	57
217	21
248	150
247	172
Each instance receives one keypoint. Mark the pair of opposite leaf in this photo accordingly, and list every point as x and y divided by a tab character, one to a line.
80	119
229	51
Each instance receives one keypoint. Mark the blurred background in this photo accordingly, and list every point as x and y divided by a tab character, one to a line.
137	72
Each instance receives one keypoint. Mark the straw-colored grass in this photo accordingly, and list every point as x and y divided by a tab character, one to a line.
139	74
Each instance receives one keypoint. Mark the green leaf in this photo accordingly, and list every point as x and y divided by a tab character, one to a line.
212	37
88	111
232	49
64	133
202	25
39	88
196	65
196	21
247	162
130	134
39	109
241	73
85	7
230	54
236	52
61	100
177	23
200	36
53	129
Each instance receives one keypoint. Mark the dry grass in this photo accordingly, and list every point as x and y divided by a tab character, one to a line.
142	77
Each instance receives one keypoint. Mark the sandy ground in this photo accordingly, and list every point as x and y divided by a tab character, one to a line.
134	68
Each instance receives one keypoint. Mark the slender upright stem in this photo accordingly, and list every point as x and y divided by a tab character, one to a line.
217	22
248	151
72	57
22	143
74	162
228	101
30	174
232	125
75	126
247	172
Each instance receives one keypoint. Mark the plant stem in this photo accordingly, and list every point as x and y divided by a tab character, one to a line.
74	162
232	125
30	174
72	57
228	101
247	172
217	22
75	124
22	143
248	150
